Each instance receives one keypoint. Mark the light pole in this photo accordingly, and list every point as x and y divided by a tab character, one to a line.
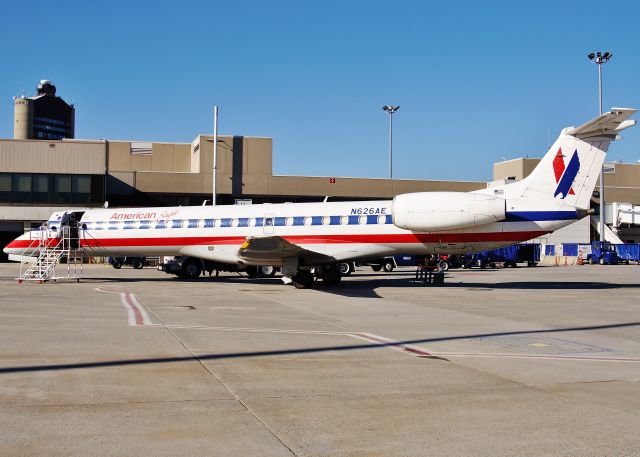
390	109
215	153
600	58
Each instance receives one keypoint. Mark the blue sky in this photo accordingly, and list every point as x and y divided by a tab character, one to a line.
476	81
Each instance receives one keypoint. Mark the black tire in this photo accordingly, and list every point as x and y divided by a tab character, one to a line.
331	275
303	279
444	265
602	262
388	267
591	261
252	271
191	268
137	264
345	268
267	271
117	265
376	267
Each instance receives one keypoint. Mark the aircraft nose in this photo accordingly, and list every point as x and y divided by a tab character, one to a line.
10	248
15	246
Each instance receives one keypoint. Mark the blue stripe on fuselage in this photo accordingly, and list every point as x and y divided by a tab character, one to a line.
519	216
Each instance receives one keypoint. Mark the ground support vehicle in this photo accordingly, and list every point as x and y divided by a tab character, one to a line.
119	262
191	268
388	264
603	252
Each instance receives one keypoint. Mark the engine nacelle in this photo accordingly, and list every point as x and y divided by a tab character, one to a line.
432	211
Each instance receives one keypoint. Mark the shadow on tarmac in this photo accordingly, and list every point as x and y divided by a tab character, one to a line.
239	355
365	285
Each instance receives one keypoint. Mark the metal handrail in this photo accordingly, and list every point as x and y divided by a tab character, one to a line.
50	252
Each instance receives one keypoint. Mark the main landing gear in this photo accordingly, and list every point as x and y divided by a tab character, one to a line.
305	278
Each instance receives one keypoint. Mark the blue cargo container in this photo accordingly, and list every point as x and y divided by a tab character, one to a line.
628	252
510	256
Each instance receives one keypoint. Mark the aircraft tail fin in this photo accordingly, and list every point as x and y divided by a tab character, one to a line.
570	169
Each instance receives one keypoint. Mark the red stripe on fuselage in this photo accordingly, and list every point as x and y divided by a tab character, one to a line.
34	243
402	238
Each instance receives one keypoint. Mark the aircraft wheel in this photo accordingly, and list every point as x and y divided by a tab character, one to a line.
388	267
117	265
376	267
344	268
137	264
268	271
303	279
252	271
192	268
331	275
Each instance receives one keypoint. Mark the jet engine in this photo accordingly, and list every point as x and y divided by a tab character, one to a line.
431	211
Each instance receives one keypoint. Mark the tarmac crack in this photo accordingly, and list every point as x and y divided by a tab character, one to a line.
237	399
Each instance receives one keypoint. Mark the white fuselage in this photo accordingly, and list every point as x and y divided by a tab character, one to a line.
339	230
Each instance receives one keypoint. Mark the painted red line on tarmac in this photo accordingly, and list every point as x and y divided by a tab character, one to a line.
418	352
136	310
392	343
321	239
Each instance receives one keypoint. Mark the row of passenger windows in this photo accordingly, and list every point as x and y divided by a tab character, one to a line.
242	222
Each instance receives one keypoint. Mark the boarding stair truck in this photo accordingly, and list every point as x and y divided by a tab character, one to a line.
603	252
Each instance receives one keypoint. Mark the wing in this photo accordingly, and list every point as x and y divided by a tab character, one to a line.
270	250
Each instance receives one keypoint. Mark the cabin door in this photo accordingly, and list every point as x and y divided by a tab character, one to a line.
269	222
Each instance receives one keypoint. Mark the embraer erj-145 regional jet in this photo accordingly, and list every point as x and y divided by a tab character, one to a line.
308	239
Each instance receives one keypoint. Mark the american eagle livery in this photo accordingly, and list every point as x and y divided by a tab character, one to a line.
308	239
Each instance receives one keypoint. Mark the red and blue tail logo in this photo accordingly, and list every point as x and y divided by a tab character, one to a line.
565	175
